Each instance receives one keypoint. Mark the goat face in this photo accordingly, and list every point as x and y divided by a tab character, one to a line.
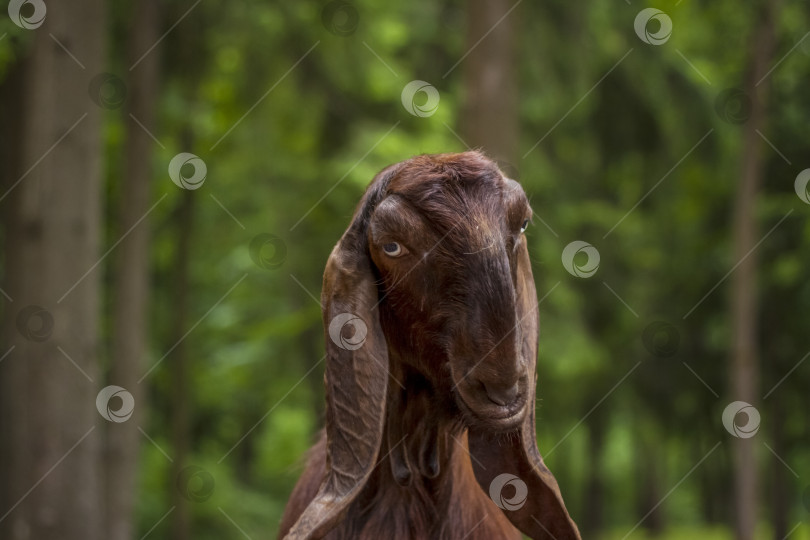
433	275
446	247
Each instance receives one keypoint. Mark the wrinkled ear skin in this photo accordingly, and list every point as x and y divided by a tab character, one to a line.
543	516
356	379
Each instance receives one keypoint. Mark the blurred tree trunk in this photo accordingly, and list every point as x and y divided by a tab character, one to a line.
490	117
50	473
12	395
178	360
131	274
650	457
780	499
595	485
744	363
185	47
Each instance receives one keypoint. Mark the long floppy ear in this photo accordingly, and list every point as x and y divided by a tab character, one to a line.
543	515
356	372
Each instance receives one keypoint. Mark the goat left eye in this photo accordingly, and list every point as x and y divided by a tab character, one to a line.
392	249
524	226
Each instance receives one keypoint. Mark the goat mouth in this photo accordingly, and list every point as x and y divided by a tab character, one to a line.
492	417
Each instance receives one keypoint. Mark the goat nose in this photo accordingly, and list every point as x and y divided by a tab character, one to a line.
501	395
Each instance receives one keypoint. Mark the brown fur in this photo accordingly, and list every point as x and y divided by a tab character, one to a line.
451	506
439	399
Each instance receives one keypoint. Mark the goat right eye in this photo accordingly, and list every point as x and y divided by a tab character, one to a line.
392	249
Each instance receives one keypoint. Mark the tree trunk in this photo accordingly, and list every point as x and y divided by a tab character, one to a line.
131	276
490	91
780	483
595	486
12	396
744	363
651	455
51	446
181	518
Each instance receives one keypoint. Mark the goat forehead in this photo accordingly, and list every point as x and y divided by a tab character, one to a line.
475	212
480	235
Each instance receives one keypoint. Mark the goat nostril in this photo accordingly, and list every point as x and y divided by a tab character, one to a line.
501	395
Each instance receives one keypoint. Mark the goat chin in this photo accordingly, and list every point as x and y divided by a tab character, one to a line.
434	260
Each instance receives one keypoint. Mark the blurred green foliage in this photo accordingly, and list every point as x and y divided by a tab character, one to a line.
293	121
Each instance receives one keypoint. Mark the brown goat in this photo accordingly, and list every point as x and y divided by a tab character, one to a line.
430	315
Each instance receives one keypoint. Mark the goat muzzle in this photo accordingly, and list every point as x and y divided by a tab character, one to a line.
493	404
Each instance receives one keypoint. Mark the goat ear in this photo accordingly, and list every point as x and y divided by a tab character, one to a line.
537	507
356	372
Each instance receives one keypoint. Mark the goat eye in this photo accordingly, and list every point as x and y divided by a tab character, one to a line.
392	249
524	226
